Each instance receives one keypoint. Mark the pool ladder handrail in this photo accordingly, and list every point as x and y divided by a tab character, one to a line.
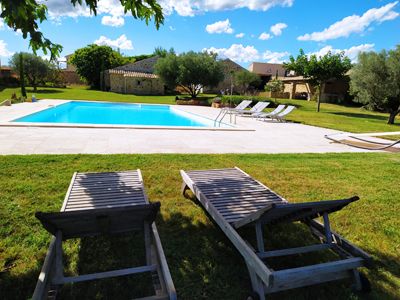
222	113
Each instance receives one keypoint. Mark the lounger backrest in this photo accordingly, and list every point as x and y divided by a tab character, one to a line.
259	107
277	110
287	111
243	104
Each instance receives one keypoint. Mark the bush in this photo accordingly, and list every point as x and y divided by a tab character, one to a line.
9	81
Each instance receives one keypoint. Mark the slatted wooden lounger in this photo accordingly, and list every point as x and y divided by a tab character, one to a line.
104	203
234	199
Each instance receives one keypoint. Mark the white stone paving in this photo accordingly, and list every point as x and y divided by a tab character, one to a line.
260	137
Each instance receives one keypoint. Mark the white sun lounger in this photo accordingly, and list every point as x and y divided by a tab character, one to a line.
104	203
281	117
263	116
256	109
233	199
241	106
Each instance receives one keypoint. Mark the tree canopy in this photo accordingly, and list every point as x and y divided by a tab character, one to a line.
27	15
375	81
318	70
245	79
275	86
93	59
192	71
34	68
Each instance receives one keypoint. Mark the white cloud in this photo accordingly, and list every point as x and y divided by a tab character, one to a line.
351	52
172	28
220	27
3	49
2	25
277	28
236	52
192	7
353	24
113	21
122	42
275	57
265	36
239	35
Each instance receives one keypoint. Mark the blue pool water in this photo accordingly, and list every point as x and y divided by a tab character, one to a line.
117	114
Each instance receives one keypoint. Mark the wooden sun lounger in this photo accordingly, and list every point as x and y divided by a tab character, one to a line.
233	199
104	203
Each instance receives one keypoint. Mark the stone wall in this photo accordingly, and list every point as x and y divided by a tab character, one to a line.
135	85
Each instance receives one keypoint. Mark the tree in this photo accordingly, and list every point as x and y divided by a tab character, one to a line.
27	15
22	75
34	68
275	86
375	81
318	70
161	52
91	60
192	71
244	79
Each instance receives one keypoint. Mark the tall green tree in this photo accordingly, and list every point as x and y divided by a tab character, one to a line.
375	81
245	79
192	71
22	75
34	68
91	60
27	15
275	86
318	70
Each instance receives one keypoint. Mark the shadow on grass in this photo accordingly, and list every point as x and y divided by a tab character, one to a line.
203	263
44	91
361	115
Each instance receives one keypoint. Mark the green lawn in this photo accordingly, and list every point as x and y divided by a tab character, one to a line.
352	119
203	263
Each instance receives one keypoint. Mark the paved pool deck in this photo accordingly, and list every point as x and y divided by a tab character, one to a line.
254	136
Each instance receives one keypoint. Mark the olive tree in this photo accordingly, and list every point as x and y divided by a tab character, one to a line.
318	70
375	81
245	79
33	68
275	86
192	71
27	15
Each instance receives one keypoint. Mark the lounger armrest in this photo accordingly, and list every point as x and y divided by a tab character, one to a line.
91	222
291	212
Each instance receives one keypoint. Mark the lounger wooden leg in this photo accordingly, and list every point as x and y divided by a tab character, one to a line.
183	189
59	268
260	237
147	242
256	283
327	226
357	280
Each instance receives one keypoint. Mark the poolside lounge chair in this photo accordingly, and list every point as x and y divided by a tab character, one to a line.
241	106
233	199
256	109
104	203
263	116
281	117
364	141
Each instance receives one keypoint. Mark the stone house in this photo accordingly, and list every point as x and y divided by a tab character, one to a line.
135	78
229	68
267	71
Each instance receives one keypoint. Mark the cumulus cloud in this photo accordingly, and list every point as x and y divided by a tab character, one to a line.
220	27
353	24
264	36
277	28
236	52
239	35
122	42
113	21
3	49
193	7
275	57
351	52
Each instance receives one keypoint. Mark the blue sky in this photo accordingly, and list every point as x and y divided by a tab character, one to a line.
245	31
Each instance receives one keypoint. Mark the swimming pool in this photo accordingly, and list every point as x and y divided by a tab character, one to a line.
82	112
